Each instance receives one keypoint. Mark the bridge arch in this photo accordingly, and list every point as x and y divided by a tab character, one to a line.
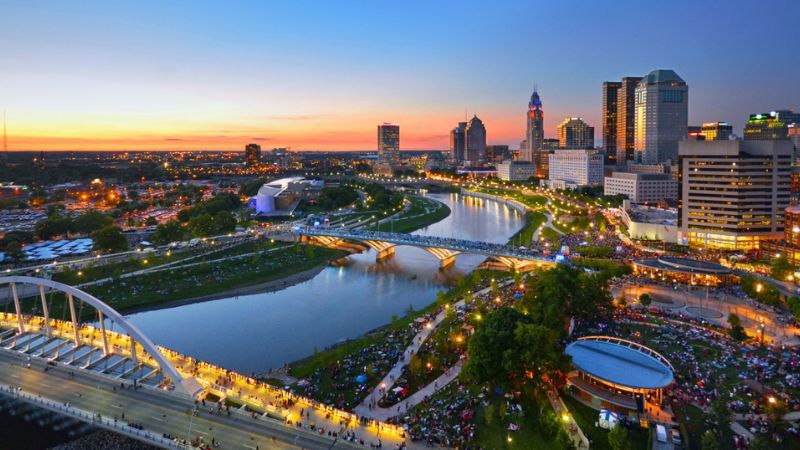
189	385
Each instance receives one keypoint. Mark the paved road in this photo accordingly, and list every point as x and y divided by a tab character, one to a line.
156	411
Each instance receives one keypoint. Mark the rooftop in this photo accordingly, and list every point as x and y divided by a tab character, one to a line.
621	362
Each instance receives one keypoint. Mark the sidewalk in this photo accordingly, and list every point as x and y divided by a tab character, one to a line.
363	409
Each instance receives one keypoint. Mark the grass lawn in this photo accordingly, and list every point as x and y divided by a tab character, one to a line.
495	435
586	417
423	212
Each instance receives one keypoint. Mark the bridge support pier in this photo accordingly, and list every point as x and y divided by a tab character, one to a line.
20	325
46	311
446	257
384	250
517	264
74	319
102	321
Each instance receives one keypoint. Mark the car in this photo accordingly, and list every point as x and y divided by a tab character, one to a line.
661	433
676	437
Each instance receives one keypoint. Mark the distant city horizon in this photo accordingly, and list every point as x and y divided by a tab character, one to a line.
116	77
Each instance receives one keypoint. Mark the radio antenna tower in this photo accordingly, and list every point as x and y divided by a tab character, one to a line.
5	135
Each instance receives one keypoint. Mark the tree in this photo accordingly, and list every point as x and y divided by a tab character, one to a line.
91	221
14	251
490	346
737	331
536	353
645	300
150	221
110	239
171	231
709	441
781	268
618	438
721	413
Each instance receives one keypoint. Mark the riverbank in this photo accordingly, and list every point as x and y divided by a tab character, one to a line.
245	274
258	288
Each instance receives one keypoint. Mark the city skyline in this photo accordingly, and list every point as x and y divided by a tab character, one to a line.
122	77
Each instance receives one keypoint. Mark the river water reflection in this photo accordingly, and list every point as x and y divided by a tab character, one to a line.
253	333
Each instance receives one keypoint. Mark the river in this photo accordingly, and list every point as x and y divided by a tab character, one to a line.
252	333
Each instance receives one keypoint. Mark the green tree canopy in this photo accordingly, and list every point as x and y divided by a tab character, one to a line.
109	239
91	221
167	232
618	438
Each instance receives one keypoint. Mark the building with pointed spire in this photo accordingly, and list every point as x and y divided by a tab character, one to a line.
534	126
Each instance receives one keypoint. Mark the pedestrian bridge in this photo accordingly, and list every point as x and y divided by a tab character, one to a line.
444	249
109	349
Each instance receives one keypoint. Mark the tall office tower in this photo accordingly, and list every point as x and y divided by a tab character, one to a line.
252	155
575	133
475	143
661	117
534	126
733	193
766	127
610	93
716	131
458	142
626	96
389	144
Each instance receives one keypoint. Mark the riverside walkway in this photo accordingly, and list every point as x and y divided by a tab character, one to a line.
124	375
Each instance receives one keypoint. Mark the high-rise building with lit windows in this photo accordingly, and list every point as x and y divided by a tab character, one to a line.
661	116
609	120
475	143
534	129
767	127
733	193
574	133
252	154
389	144
458	139
626	95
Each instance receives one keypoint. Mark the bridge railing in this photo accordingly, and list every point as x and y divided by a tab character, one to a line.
486	248
92	418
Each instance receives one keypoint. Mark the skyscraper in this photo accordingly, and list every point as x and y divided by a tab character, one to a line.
252	154
389	144
475	143
661	116
458	142
733	194
610	95
575	133
625	118
716	131
534	123
766	127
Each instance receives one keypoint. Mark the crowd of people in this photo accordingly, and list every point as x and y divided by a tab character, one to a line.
709	365
347	382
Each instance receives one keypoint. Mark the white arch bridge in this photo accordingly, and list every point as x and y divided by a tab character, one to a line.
129	355
444	249
113	352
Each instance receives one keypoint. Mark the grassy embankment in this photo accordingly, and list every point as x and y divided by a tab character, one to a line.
261	263
423	212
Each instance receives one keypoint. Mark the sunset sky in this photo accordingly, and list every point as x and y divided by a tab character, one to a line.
322	74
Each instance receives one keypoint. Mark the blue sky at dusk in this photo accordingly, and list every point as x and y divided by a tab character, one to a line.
321	75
